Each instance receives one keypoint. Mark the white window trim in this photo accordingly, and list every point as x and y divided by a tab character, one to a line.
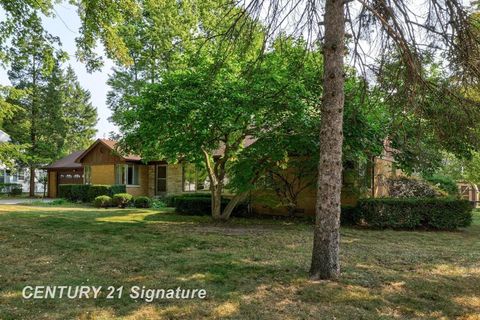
125	175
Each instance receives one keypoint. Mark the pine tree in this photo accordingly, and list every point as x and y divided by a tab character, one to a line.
55	115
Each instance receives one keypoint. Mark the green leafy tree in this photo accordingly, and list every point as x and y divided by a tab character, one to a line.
194	112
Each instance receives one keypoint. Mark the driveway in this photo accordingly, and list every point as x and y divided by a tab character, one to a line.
22	200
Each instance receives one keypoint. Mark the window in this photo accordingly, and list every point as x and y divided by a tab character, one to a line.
87	175
128	174
161	178
21	174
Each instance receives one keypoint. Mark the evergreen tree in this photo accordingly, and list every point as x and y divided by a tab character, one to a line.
55	115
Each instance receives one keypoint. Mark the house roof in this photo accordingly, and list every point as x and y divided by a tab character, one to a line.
247	142
74	159
67	162
110	144
4	137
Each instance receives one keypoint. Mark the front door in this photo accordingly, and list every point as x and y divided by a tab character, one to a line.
161	182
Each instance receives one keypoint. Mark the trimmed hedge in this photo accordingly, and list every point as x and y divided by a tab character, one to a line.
15	191
10	188
142	202
202	205
122	200
412	213
170	201
88	192
102	202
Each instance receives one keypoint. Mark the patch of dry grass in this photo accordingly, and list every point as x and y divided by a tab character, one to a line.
251	269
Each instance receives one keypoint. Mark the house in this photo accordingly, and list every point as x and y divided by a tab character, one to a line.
19	175
102	164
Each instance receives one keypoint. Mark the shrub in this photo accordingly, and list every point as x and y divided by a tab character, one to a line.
444	183
102	202
79	192
15	191
409	187
202	205
193	205
65	191
87	192
348	215
142	202
96	190
7	187
122	200
117	188
430	213
170	200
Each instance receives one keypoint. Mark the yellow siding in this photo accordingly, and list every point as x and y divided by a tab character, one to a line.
103	174
142	189
174	179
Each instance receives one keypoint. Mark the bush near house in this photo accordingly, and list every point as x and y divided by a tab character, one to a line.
445	183
88	192
170	201
408	187
11	188
122	200
413	213
202	205
142	202
102	202
15	191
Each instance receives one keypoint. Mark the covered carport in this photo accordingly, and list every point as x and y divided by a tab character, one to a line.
64	171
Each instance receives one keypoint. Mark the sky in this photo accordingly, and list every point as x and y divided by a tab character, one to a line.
65	26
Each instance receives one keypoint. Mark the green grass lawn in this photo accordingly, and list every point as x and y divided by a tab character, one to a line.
251	269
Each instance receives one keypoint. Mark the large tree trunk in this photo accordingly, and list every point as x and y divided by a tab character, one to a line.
325	257
32	181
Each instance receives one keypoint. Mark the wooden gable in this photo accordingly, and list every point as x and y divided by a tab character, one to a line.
101	154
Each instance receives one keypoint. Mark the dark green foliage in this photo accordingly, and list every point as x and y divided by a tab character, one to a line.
15	191
347	215
99	190
87	192
142	202
202	205
412	213
8	187
117	188
79	192
170	201
122	200
445	183
102	202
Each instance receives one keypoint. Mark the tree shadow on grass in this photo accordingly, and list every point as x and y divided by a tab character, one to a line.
253	275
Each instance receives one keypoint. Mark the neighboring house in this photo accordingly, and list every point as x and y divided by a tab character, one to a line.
19	175
102	164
